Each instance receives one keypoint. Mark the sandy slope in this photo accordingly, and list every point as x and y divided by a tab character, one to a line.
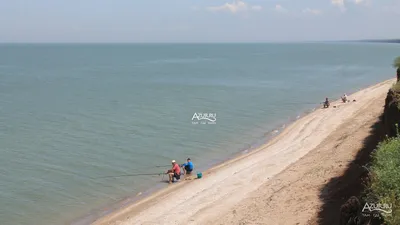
267	186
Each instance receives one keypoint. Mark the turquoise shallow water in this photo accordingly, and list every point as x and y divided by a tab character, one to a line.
72	113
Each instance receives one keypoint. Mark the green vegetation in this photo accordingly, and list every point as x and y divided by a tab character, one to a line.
384	187
396	87
396	63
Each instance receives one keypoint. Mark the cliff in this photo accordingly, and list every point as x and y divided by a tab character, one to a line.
391	115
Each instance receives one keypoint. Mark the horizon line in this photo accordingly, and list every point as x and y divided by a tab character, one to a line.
210	42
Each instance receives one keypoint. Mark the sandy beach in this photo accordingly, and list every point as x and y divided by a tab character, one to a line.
279	183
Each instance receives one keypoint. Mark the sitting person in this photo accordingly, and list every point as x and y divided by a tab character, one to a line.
188	166
326	103
344	98
175	172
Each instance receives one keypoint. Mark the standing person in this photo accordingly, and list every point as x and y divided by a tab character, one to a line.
326	103
188	166
174	172
344	98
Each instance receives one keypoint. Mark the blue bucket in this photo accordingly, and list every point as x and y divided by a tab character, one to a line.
199	175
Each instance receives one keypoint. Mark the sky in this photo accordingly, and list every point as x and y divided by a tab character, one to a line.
197	20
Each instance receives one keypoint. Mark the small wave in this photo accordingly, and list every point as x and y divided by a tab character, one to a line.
330	68
273	132
6	66
176	61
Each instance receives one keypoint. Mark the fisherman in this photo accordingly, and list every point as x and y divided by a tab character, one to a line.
344	98
188	166
174	172
326	103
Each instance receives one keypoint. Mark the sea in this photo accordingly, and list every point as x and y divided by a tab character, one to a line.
83	127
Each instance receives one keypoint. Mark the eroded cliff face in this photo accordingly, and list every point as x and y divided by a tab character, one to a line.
391	115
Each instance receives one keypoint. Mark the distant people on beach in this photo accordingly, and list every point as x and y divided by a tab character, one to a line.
188	166
174	173
326	103
344	98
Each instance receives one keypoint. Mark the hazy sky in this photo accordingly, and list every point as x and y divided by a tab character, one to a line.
197	20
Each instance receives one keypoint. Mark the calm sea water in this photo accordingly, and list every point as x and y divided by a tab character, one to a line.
70	114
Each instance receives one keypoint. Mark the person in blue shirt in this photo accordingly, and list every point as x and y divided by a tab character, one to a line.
188	166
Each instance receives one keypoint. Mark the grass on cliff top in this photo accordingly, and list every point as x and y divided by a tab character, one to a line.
396	63
396	87
384	187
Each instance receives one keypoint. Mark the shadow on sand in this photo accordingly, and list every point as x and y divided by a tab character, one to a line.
339	189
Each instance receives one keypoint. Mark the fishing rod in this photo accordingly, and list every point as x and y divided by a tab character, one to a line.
132	175
138	174
294	103
150	167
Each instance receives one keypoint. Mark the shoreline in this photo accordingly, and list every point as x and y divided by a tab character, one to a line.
150	199
99	213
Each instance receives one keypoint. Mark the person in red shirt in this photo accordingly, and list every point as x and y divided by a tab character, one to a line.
175	172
